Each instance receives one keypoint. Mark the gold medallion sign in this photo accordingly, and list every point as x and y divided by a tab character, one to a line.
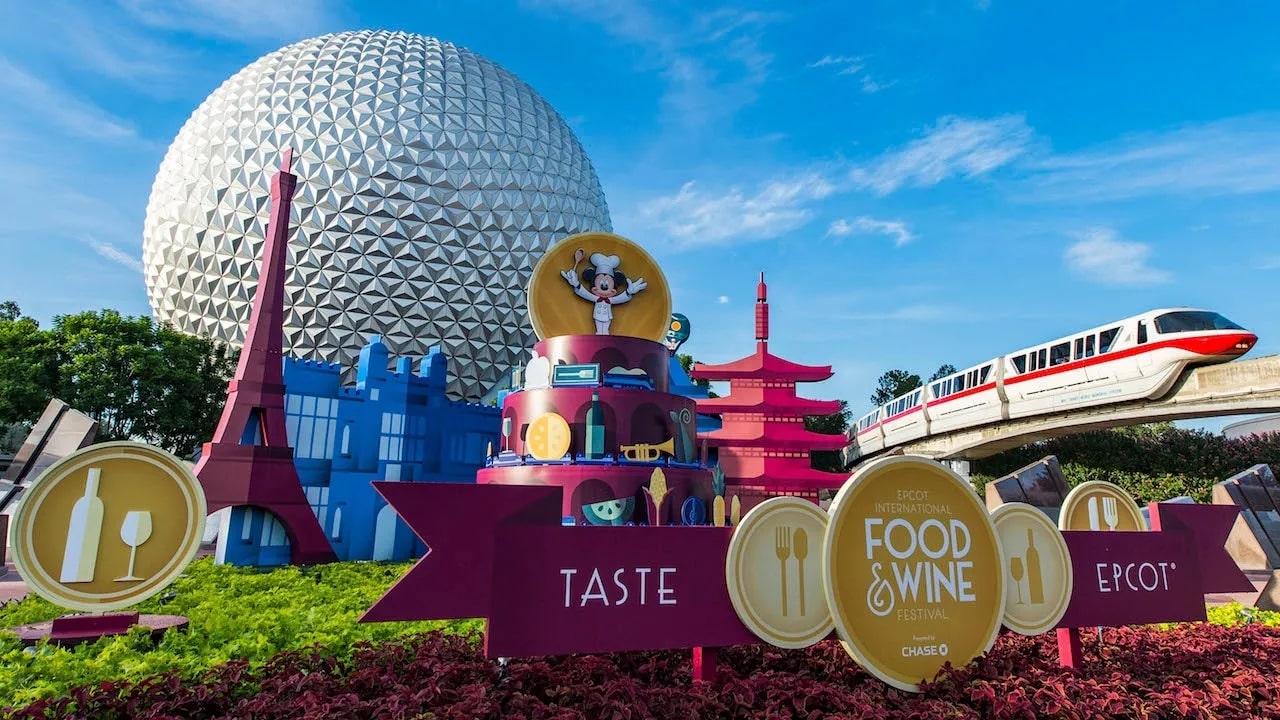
915	572
1100	505
108	526
1038	575
774	572
602	284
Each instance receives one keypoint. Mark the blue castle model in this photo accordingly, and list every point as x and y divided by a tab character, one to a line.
388	426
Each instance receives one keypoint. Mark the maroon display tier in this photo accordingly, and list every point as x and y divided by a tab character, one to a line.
612	353
638	424
586	484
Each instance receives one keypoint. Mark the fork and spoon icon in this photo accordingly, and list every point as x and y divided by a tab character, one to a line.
1110	513
789	542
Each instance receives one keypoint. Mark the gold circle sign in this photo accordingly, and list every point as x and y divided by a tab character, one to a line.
549	437
108	526
1038	575
1100	505
598	283
914	570
774	572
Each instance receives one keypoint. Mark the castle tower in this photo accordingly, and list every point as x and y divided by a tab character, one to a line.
249	461
763	445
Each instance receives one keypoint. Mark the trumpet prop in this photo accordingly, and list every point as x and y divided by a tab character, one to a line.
648	452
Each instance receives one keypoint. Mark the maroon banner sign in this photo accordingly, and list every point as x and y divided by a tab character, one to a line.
499	552
1135	578
457	522
560	590
1132	578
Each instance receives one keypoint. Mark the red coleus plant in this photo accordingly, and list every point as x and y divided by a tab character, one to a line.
1195	671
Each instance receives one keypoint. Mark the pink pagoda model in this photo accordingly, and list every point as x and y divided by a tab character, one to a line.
763	445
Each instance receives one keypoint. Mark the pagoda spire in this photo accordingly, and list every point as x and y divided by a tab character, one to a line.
249	461
762	316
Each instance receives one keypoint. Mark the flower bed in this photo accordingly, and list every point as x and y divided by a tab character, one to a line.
235	613
1192	671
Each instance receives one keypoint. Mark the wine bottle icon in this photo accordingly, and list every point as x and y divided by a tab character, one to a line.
84	533
1035	582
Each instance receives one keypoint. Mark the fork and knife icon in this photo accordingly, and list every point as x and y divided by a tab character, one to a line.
789	542
1110	513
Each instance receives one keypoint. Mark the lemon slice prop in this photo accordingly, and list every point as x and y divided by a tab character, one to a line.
548	437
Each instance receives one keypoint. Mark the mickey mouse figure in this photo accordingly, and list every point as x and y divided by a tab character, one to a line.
604	286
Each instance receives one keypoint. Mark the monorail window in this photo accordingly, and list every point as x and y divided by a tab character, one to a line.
986	371
1192	321
1088	346
1079	348
936	389
1020	364
1040	359
1060	353
1142	332
1106	338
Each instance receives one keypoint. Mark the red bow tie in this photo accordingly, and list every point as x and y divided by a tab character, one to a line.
604	300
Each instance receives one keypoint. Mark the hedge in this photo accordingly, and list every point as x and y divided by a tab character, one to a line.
1158	452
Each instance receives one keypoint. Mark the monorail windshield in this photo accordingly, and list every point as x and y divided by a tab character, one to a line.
1192	321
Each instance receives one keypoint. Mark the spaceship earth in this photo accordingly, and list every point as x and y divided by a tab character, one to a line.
431	180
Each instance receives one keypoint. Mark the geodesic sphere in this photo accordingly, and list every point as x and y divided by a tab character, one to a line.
430	182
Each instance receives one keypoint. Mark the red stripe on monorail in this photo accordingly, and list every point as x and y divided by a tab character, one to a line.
1204	345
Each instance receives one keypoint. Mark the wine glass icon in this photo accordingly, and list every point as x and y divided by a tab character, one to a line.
1015	567
134	531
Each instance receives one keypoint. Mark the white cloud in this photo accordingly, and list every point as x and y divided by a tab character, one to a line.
849	65
896	229
1271	263
1235	156
694	218
1101	256
723	299
114	254
713	61
238	19
855	66
954	147
40	100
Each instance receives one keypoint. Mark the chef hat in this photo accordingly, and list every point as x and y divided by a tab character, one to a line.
605	264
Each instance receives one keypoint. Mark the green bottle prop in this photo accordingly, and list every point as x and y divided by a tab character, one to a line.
595	428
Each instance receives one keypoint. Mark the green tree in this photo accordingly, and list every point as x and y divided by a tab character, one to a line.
686	362
892	384
942	371
141	380
836	423
9	310
28	366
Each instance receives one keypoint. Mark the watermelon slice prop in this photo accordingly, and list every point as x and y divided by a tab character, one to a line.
610	512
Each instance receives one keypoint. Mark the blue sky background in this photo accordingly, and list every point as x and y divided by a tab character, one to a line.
924	182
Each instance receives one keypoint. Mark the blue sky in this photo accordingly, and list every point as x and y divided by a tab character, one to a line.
924	182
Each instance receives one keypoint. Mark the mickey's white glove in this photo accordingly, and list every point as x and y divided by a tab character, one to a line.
570	277
636	285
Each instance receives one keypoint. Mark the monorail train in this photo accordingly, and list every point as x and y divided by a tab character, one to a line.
1137	358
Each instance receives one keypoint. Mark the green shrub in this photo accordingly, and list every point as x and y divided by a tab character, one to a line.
233	613
1157	450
